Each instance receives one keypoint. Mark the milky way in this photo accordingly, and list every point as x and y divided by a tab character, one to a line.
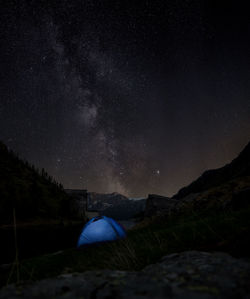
117	96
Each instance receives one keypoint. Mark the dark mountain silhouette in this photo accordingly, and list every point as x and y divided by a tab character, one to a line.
115	205
33	193
101	201
239	167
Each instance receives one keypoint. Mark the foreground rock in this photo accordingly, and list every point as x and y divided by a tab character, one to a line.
185	275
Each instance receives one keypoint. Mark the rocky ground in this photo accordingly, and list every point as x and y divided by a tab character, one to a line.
186	275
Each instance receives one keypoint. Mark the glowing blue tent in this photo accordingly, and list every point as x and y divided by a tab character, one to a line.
100	229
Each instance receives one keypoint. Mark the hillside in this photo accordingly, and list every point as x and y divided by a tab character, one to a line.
239	167
31	192
224	189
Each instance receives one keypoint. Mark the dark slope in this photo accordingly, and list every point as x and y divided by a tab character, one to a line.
33	193
239	167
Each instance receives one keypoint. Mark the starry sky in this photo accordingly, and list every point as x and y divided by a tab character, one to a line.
134	97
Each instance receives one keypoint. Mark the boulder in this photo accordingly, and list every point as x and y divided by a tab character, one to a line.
192	275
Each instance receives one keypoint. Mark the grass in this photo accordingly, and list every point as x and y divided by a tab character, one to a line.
222	231
16	262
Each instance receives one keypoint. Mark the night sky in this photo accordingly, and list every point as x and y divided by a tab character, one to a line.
134	97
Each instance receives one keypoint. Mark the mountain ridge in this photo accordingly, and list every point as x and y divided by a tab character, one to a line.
239	166
32	192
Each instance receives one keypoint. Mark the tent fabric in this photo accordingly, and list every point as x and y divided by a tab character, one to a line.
100	229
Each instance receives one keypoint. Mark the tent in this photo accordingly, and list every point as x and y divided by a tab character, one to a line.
100	229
